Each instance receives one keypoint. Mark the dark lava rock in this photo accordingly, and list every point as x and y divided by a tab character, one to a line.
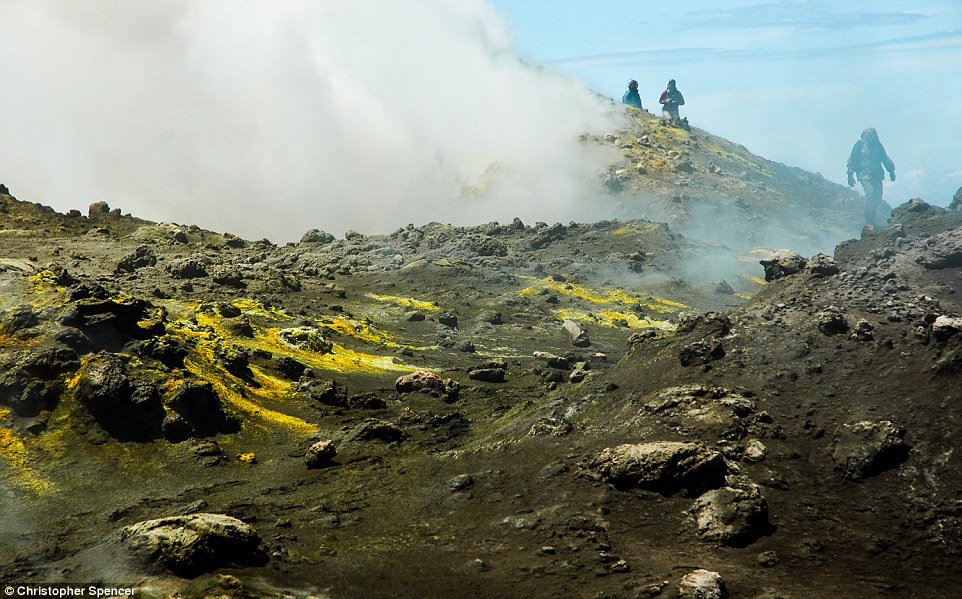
165	349
321	389
868	448
832	322
492	371
317	236
228	276
547	235
944	251
292	369
201	408
366	401
376	430
188	546
822	265
141	257
701	352
782	263
187	268
18	318
124	410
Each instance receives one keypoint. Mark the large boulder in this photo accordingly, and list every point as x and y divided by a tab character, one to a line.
191	545
664	467
192	267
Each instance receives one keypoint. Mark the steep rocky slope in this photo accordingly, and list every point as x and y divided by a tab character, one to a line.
491	411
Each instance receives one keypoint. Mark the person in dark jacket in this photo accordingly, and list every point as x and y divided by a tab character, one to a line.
866	162
670	100
631	97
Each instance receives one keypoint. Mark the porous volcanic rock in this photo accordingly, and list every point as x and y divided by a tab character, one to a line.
190	545
664	467
867	448
733	516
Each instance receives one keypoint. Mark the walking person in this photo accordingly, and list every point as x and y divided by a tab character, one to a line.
866	161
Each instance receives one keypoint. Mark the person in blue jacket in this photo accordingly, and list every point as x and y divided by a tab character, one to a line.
631	97
866	162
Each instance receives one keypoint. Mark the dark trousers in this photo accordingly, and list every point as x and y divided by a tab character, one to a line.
873	197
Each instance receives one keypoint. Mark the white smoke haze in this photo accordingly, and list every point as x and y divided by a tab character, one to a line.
267	119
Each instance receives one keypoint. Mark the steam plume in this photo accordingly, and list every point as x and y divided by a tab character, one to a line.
269	118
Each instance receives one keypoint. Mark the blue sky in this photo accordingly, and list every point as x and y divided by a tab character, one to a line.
795	82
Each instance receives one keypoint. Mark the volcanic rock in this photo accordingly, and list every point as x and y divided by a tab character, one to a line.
944	251
782	263
191	545
423	380
577	335
320	454
945	327
141	257
732	516
702	584
663	467
866	448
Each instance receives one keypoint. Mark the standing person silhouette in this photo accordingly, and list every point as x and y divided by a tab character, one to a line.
866	162
631	97
670	100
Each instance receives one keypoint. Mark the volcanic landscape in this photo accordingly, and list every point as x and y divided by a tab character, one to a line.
651	407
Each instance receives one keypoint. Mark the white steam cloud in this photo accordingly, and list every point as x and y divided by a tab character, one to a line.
267	119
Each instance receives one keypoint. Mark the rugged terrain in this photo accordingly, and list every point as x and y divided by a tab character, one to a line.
515	409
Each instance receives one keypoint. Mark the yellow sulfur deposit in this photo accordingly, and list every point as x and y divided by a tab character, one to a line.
409	302
635	229
615	319
14	452
616	296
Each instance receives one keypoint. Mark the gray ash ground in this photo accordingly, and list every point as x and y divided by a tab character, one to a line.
797	442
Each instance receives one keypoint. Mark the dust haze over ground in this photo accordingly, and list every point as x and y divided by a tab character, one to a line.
267	119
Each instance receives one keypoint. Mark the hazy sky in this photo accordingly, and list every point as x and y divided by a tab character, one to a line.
269	118
795	82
